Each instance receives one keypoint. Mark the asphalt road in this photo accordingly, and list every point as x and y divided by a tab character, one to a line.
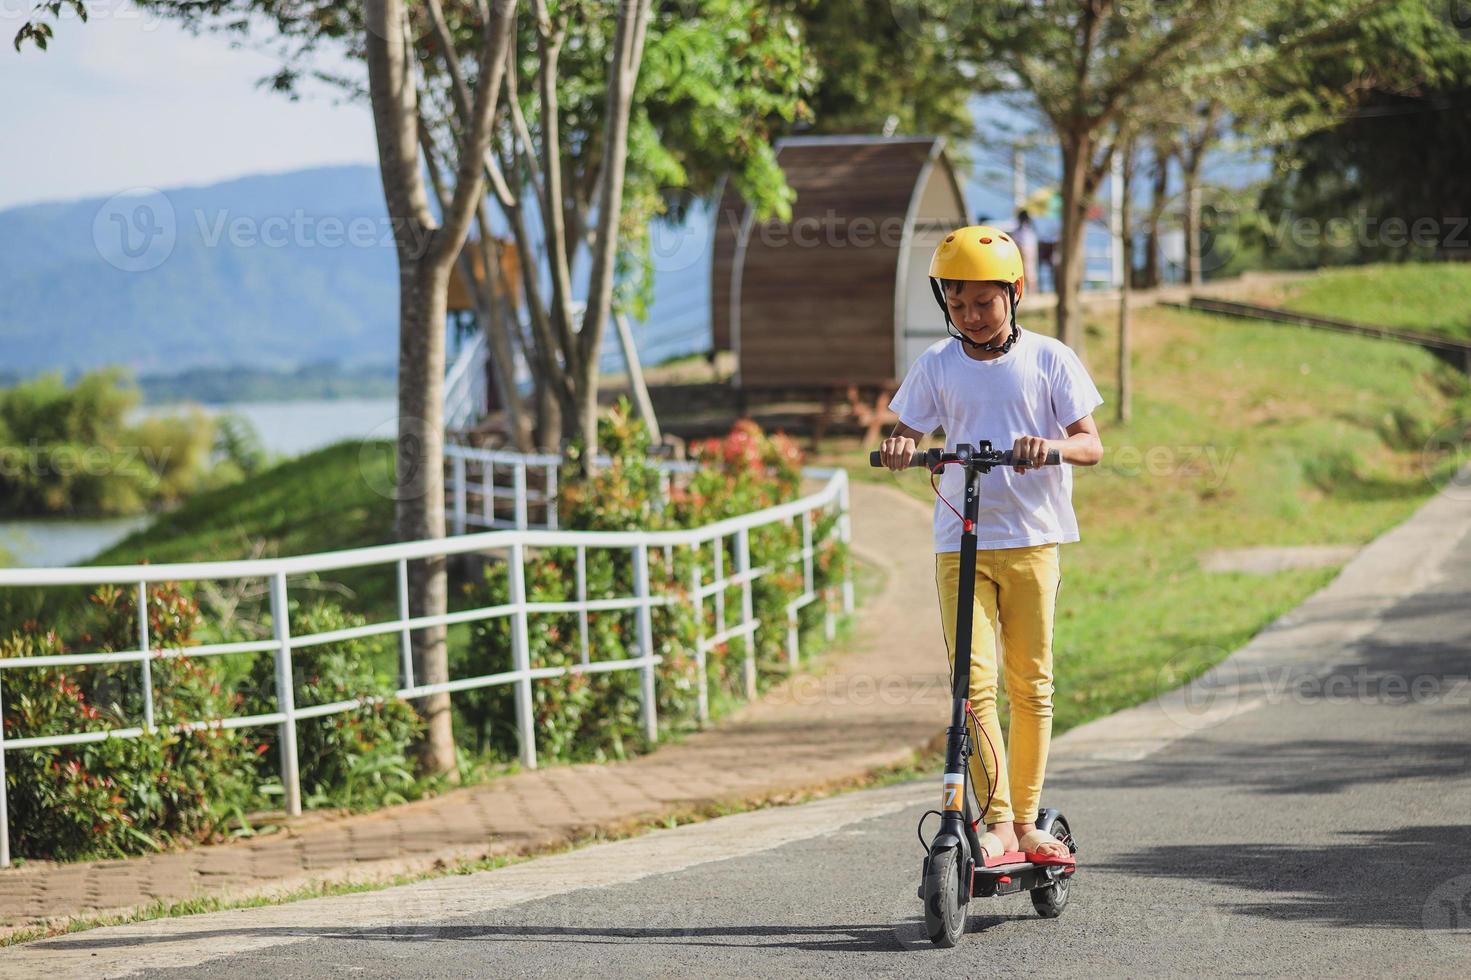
1318	827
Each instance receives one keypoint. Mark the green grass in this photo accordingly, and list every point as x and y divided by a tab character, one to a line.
334	498
1428	297
1243	434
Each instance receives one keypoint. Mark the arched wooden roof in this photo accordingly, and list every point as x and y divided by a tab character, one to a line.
815	300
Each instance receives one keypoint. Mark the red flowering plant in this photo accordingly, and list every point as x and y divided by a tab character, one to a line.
578	716
120	795
748	470
597	715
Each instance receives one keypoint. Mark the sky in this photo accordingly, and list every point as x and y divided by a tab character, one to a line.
127	100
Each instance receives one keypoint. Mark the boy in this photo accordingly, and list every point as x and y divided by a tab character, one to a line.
990	381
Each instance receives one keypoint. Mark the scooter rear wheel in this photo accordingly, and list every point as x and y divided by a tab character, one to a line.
944	916
1050	900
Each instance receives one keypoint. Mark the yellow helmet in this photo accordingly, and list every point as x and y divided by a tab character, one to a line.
984	254
980	252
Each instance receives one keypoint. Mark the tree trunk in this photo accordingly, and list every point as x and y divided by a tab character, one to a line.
1160	188
1125	409
425	252
1076	153
1193	272
497	307
627	54
419	510
549	429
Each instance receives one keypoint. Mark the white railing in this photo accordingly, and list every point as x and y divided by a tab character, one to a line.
491	488
728	624
466	386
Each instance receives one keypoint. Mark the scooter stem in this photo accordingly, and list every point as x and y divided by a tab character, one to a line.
957	736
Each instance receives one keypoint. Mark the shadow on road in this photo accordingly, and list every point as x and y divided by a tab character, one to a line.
1302	766
865	938
1375	879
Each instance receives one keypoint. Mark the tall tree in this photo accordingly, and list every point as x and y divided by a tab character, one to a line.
1124	405
1388	138
890	63
426	249
383	33
716	82
1098	69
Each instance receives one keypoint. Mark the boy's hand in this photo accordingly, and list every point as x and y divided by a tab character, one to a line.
896	452
1033	448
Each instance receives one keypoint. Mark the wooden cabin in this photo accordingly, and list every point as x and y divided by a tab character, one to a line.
459	296
838	296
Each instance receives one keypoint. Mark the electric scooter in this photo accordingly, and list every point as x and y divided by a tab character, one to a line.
955	869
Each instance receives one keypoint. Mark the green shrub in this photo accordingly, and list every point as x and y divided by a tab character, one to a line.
356	758
120	796
72	448
595	716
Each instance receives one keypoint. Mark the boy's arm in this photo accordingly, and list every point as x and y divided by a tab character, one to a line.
1082	447
898	449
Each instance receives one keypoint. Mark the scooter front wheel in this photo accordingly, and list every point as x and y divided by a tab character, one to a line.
944	916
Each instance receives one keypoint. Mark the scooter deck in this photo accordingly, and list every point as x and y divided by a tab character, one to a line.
1006	879
1010	857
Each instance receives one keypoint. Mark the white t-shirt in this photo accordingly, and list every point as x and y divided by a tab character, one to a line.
1038	388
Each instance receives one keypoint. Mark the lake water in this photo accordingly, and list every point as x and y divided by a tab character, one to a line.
293	428
62	540
286	429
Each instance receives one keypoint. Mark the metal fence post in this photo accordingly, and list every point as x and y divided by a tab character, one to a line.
743	567
793	642
487	491
405	637
519	475
521	656
582	600
696	585
147	656
718	554
285	694
4	793
645	641
845	534
458	469
807	554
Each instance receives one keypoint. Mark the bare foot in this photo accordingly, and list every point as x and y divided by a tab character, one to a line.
1007	833
1051	848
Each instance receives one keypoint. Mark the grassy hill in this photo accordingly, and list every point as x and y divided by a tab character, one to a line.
1433	298
334	498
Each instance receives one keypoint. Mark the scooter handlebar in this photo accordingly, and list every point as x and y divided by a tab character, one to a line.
929	459
921	458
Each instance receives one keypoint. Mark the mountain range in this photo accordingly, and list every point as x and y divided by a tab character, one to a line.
274	271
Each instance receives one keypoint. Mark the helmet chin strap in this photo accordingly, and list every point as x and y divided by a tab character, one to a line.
954	331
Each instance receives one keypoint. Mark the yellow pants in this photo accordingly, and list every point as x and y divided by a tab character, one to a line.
1016	596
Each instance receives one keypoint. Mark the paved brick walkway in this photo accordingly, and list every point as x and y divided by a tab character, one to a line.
869	707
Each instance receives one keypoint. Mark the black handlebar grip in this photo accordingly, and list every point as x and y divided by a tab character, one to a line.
920	458
1054	458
